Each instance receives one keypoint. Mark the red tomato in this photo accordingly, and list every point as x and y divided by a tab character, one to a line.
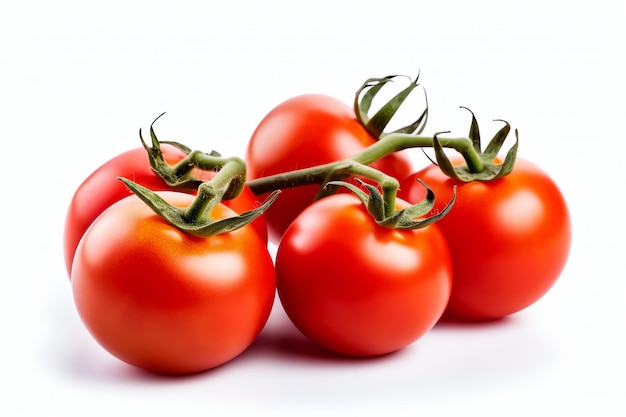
302	132
164	300
101	189
357	288
509	238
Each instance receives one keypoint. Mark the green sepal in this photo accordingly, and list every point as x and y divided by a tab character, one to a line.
196	218
411	217
490	170
363	103
376	124
418	126
474	132
375	208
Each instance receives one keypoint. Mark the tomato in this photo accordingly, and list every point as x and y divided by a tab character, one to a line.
302	132
164	300
509	238
101	189
355	287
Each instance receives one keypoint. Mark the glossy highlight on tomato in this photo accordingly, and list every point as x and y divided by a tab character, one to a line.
509	238
101	189
306	131
167	301
357	288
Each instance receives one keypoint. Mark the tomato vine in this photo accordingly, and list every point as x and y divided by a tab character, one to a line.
231	172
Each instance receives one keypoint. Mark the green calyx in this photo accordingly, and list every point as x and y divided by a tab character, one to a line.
196	219
229	171
227	181
377	123
480	165
386	215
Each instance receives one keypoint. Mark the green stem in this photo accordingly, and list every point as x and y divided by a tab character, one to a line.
325	173
354	165
394	142
231	175
203	203
388	184
466	149
230	172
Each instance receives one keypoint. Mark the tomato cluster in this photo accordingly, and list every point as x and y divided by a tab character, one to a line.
177	279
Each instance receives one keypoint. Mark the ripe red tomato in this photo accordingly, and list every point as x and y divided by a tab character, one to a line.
164	300
509	238
101	189
357	288
302	132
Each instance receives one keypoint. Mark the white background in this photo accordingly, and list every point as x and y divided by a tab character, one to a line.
78	79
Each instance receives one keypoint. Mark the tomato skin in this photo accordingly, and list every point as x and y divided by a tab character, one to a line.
357	288
166	301
509	238
101	189
306	131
